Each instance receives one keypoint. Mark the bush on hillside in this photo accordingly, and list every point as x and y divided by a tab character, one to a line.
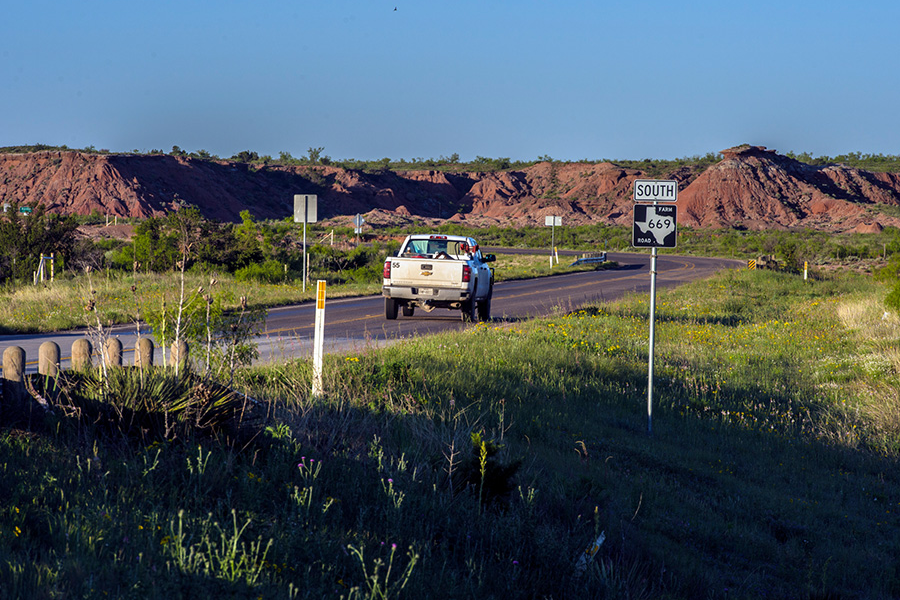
892	301
271	271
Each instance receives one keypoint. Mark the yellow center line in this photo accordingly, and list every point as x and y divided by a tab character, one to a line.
303	327
685	266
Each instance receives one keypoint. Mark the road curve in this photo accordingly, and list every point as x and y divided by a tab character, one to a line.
357	323
353	323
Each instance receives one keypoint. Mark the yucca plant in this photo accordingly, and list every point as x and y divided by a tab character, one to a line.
483	471
153	405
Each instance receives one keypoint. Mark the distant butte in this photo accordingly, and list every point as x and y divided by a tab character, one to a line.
752	187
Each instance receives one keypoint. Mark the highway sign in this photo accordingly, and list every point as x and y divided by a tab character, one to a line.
553	222
650	190
305	208
654	226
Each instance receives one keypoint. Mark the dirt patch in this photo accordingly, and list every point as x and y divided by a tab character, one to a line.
107	232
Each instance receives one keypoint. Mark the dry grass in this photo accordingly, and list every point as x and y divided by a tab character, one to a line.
877	330
868	316
59	305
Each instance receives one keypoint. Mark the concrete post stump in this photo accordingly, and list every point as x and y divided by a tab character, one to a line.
113	352
48	359
81	354
178	354
143	353
14	376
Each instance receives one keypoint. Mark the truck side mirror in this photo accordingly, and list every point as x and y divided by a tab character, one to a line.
489	258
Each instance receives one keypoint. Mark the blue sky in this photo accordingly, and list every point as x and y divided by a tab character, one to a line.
569	79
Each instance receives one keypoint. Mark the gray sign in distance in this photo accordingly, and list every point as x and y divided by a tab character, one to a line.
306	208
654	226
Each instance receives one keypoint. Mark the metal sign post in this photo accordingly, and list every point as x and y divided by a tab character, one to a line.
305	258
654	227
305	211
358	221
651	351
552	222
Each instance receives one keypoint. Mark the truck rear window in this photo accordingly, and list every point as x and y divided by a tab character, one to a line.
431	247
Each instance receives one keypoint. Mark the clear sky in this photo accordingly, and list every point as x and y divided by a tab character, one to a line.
368	79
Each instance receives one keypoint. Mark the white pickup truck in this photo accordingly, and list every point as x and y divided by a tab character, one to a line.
439	271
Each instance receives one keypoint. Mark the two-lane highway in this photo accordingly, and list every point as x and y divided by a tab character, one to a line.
357	323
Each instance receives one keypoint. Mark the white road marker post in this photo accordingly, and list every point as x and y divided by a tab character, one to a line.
319	340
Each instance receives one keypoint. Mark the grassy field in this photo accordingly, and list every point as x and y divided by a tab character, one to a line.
59	305
482	464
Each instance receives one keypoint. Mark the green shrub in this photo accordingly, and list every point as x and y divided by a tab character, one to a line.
892	301
890	271
483	472
150	405
271	271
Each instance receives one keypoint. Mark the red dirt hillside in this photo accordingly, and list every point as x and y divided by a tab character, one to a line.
756	188
752	187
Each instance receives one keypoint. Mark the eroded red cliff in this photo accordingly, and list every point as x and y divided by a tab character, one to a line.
751	187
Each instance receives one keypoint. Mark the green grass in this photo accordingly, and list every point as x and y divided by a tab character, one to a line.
483	463
60	305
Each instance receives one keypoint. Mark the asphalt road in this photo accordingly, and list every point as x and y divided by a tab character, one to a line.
357	323
353	324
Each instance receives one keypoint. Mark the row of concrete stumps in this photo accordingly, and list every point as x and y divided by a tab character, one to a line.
14	361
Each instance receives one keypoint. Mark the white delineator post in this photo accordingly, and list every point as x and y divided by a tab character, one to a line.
319	340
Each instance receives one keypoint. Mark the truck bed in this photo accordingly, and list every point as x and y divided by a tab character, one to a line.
431	272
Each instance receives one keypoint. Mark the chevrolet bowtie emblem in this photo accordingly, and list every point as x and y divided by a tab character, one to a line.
426	273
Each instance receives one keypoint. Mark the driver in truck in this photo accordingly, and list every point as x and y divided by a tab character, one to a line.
440	249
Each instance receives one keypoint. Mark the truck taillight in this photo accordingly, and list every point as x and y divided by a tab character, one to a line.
467	273
387	269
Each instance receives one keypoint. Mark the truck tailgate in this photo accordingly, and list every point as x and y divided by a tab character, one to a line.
426	273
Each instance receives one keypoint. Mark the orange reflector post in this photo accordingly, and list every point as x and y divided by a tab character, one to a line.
319	340
320	295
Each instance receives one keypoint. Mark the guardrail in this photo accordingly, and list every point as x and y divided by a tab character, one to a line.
590	258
